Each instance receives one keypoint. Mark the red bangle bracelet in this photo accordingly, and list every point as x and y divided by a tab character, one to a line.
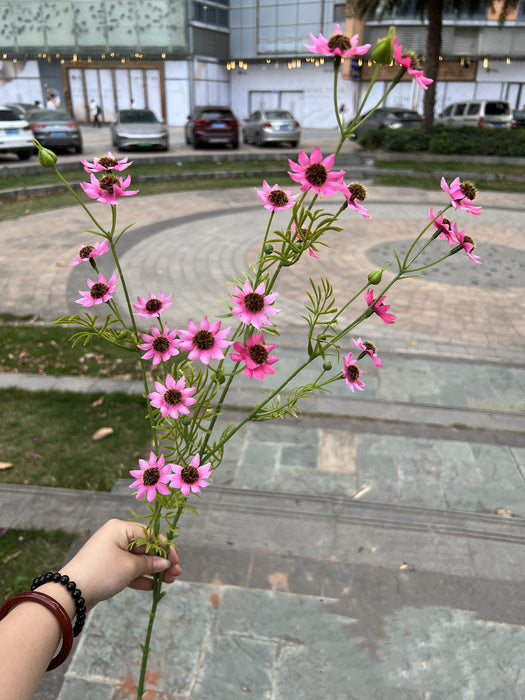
58	611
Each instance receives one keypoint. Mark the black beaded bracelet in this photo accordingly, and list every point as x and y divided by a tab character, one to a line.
71	586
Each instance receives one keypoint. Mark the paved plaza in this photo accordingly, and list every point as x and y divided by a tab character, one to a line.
371	549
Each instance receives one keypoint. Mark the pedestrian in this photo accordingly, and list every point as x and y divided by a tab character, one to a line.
53	100
98	116
93	111
31	622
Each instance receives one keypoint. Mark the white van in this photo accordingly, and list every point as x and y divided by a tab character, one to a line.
484	114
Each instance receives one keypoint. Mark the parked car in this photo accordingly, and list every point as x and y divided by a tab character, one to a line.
271	126
389	118
483	114
518	119
15	134
139	128
55	129
212	124
21	108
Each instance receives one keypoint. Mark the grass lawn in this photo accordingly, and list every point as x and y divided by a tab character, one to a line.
431	182
47	436
25	554
38	349
458	165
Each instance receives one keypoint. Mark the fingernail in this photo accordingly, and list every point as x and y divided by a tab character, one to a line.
160	564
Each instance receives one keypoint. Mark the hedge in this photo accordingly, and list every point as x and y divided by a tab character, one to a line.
466	140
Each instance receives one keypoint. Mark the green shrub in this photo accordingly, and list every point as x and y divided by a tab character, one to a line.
467	140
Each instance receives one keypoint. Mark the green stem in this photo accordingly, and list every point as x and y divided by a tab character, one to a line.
75	195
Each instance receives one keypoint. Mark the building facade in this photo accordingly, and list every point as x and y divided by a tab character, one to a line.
169	55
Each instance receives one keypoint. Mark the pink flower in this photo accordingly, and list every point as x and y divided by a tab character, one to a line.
172	399
191	477
462	194
442	225
252	306
311	249
256	355
160	346
314	173
379	308
368	349
351	373
108	189
467	243
90	251
152	476
275	199
153	306
205	343
337	45
107	162
355	194
410	63
99	292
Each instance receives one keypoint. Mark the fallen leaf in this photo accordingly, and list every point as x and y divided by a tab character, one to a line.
102	433
506	513
5	465
97	402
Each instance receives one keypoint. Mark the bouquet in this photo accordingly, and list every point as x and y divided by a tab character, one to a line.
196	366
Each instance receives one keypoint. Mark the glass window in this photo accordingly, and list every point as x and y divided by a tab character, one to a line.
460	109
474	108
448	111
210	14
497	108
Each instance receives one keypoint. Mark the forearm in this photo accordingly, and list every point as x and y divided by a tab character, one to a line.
29	637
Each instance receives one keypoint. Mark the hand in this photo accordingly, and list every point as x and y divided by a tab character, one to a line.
105	565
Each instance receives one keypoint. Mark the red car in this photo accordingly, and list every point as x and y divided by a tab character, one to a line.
212	124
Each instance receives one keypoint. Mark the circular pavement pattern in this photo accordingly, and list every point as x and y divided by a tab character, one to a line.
501	266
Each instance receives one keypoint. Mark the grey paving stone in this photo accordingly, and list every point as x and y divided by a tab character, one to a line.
80	689
257	465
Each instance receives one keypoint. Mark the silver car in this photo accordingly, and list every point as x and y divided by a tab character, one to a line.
15	134
271	126
139	128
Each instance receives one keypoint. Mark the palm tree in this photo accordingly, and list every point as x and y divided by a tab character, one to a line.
433	11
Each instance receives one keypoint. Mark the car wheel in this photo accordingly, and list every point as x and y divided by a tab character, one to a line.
294	144
235	143
24	155
79	149
258	140
195	142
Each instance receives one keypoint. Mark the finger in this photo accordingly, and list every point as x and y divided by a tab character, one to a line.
142	583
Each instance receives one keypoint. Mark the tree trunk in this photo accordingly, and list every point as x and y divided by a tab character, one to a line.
435	18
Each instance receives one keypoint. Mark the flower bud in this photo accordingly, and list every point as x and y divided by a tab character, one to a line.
185	420
383	51
46	157
375	276
219	376
268	248
327	366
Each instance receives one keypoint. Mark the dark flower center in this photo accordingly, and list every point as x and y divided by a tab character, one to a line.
108	181
85	251
189	474
468	189
204	340
254	302
99	290
173	397
468	239
150	476
106	162
153	306
414	61
369	346
352	372
339	41
161	343
316	174
278	197
258	354
357	191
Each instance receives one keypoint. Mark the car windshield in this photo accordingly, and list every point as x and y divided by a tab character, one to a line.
137	116
50	115
496	108
405	114
278	114
216	114
7	115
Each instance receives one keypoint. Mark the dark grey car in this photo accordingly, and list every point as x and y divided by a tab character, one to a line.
55	129
389	118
